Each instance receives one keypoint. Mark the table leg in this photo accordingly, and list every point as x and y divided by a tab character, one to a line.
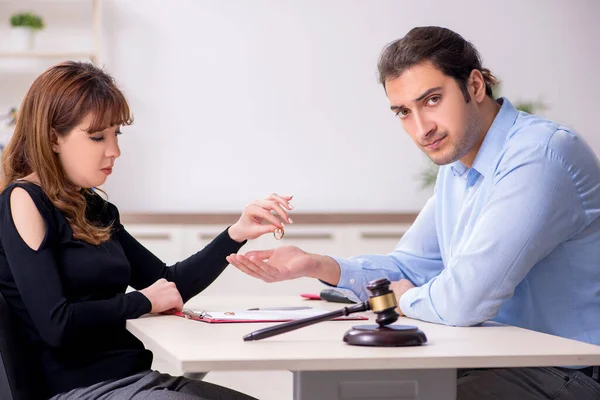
423	384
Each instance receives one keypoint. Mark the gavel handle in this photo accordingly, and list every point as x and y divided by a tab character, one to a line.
301	323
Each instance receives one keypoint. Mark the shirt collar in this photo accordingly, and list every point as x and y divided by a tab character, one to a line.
492	143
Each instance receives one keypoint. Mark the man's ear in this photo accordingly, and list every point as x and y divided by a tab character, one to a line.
477	85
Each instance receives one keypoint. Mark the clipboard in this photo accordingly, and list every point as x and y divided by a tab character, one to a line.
252	316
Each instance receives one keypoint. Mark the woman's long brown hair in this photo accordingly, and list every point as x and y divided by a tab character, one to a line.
57	101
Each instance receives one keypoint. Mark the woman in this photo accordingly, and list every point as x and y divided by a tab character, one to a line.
66	260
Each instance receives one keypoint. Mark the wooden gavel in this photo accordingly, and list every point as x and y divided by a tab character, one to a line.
382	302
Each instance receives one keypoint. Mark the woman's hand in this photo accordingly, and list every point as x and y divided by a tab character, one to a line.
257	219
163	296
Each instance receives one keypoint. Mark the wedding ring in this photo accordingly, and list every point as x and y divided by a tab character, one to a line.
278	234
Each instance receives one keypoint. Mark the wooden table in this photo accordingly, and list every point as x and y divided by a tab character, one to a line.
324	367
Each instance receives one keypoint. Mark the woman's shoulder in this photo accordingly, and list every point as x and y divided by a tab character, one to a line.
34	190
27	189
98	210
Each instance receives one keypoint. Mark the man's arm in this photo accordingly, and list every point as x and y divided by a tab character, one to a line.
533	207
417	258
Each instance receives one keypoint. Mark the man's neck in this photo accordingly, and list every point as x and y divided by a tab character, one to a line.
488	110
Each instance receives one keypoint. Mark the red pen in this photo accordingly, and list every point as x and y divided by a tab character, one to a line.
311	296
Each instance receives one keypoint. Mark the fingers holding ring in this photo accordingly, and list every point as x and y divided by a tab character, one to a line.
278	233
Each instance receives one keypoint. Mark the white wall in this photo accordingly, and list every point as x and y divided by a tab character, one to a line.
236	99
67	30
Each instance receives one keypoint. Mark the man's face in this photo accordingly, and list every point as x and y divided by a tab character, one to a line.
433	111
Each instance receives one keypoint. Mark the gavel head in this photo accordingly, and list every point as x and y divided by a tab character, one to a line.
383	302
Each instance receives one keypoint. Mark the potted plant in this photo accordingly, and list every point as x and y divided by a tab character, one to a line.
23	28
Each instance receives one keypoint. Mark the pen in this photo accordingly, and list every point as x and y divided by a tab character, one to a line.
278	308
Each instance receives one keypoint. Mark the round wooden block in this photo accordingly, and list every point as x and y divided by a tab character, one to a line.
387	336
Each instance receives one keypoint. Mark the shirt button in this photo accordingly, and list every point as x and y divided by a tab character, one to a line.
352	281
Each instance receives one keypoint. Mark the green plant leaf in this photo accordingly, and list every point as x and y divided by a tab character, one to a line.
429	175
28	20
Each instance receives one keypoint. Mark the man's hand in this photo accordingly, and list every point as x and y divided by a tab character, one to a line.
400	287
286	262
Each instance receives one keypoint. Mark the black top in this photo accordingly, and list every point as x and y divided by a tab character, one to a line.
69	296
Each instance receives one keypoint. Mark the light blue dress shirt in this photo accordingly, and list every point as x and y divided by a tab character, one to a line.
514	239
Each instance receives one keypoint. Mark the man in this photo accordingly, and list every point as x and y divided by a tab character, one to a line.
511	234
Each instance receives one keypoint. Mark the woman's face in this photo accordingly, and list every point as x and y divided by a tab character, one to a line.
88	158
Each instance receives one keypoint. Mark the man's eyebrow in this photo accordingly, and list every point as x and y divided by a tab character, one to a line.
427	93
421	97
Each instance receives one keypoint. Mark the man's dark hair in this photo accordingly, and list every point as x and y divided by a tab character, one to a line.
446	50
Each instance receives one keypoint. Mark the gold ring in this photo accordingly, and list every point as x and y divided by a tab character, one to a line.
278	234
